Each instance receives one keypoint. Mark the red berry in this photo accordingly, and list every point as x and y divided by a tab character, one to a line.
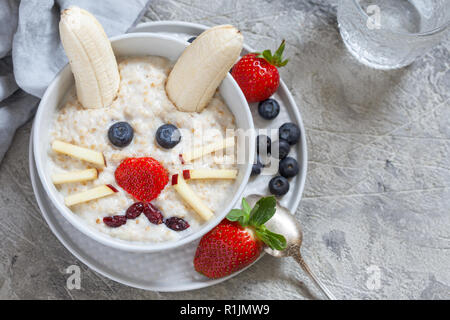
227	248
257	74
177	224
135	210
115	221
153	214
256	77
144	178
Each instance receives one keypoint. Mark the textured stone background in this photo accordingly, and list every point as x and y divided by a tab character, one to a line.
378	186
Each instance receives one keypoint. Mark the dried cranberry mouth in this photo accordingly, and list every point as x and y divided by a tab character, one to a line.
176	224
135	210
152	213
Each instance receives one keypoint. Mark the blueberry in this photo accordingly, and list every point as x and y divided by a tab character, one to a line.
288	167
279	186
257	167
120	134
269	109
283	148
263	141
168	136
289	132
190	40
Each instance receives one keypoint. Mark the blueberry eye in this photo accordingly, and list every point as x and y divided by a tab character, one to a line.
168	136
120	134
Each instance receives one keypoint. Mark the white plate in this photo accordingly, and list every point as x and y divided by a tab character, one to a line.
170	270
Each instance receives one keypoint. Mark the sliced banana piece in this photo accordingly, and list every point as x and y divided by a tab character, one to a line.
202	66
91	58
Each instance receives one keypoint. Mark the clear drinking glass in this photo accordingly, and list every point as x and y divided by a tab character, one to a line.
389	34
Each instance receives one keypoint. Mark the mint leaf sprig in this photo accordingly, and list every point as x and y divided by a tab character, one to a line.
256	217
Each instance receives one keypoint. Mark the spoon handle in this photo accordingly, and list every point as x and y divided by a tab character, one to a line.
298	257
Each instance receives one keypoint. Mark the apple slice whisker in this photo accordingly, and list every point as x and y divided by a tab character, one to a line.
191	197
78	152
204	150
91	194
75	176
209	174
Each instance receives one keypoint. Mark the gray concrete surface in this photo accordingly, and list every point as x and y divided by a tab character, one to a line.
377	196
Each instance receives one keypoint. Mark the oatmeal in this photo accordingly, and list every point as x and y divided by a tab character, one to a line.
142	103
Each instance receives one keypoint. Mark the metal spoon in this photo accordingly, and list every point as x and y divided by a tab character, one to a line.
284	223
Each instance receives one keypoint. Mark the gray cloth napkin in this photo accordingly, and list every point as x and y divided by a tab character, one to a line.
31	53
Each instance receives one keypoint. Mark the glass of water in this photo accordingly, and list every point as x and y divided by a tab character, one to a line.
390	34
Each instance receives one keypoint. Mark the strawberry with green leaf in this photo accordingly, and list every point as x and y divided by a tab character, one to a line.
257	73
238	240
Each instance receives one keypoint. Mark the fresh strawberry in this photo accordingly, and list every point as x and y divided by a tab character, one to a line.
257	73
143	178
238	240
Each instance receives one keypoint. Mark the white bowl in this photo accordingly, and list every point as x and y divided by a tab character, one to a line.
136	44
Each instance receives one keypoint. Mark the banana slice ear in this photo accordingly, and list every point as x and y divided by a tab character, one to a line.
202	66
91	58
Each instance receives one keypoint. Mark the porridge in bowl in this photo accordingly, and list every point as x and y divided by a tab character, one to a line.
143	104
143	149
